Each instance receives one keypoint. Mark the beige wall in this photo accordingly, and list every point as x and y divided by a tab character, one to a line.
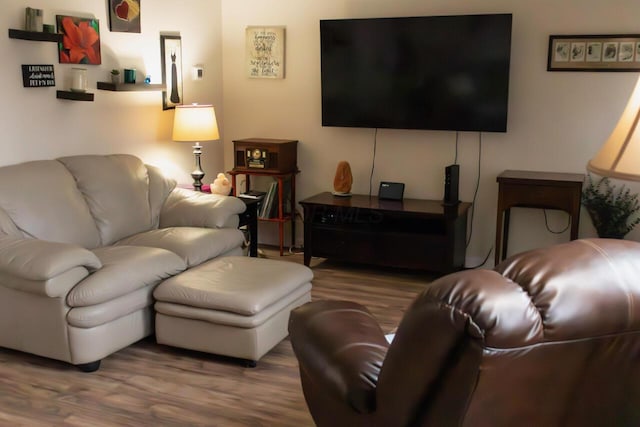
36	125
556	120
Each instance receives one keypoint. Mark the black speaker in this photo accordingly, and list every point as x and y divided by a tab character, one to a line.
391	190
451	178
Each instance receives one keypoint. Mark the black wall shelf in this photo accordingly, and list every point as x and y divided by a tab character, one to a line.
35	36
130	87
74	96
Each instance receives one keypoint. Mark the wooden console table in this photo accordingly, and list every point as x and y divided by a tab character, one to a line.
409	233
542	190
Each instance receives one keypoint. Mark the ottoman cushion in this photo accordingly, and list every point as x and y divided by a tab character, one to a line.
235	306
241	285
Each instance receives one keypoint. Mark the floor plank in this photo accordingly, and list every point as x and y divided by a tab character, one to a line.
150	384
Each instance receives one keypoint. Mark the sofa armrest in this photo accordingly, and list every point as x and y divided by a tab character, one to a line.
39	260
188	208
340	348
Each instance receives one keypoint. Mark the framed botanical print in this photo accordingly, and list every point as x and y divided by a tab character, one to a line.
594	53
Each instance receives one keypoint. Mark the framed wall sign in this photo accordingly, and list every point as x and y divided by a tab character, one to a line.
171	63
594	53
38	75
265	52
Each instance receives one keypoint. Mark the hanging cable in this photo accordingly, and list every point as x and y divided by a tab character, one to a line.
475	193
546	223
373	161
455	160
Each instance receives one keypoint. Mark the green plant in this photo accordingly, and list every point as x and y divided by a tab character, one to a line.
610	208
115	72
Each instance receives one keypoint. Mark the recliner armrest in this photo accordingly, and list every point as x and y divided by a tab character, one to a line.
40	260
187	208
341	348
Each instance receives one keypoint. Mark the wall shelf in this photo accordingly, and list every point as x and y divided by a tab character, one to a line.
130	87
74	96
35	36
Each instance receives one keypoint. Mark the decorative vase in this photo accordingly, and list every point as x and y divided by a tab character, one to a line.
78	79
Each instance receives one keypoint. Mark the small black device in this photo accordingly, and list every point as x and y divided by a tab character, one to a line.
391	190
451	179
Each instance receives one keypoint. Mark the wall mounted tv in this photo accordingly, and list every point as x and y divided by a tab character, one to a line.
431	72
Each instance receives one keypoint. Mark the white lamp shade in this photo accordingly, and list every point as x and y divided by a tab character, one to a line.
619	157
195	123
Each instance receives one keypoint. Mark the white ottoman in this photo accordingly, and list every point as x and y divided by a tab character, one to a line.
232	306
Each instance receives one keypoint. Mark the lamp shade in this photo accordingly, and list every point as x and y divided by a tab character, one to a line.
195	123
619	157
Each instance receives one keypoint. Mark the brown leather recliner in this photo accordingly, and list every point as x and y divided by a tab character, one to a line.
550	337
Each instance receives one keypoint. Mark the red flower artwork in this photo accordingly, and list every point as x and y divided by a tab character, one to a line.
80	41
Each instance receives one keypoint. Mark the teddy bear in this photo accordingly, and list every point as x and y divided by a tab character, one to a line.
221	185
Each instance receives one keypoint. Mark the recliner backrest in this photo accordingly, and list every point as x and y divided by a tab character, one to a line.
551	337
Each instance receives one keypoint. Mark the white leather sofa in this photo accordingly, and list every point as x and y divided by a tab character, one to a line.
84	240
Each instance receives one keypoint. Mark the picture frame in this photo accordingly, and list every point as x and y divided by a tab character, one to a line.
124	16
265	50
171	64
613	52
80	40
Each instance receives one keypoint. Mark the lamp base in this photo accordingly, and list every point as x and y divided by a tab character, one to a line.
197	173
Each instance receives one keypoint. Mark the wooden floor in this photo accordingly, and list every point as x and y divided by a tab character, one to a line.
148	384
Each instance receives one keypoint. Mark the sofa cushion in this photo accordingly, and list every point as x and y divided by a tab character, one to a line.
116	189
99	314
193	244
42	200
159	188
124	270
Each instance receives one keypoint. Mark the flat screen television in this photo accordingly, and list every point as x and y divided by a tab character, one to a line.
431	72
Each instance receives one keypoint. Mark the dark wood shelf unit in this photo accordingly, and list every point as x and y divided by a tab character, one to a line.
74	96
410	233
283	178
130	87
38	36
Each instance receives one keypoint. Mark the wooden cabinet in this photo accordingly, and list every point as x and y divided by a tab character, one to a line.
409	233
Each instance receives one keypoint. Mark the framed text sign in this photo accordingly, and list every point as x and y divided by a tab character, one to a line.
38	75
265	52
594	53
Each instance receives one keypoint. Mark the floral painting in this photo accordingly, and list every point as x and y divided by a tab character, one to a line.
80	41
124	16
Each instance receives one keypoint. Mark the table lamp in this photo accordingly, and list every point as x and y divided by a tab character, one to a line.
195	123
619	157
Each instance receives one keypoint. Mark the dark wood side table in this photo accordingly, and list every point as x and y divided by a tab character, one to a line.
542	190
249	218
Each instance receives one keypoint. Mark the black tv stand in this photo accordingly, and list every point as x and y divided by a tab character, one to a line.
409	233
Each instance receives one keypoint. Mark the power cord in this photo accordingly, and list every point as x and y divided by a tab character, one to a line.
546	224
473	203
455	160
475	194
486	258
373	161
